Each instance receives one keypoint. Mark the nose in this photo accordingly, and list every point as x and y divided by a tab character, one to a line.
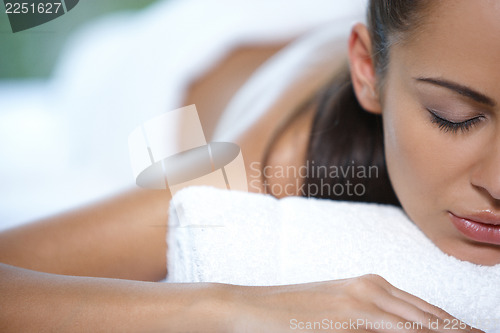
486	172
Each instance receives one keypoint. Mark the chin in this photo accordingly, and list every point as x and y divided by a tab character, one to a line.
475	252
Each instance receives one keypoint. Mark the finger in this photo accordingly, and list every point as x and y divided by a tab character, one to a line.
381	321
432	309
413	313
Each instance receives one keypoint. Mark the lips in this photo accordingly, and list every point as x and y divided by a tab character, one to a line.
483	227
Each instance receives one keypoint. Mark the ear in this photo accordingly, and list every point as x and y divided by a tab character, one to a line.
362	69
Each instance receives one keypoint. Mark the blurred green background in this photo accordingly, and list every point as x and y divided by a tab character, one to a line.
34	52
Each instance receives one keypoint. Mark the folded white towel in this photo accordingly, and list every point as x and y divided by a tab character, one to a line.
253	239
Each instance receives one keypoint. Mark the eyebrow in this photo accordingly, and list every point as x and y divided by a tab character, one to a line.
460	89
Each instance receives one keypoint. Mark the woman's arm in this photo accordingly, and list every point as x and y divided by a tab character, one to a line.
123	237
120	238
33	302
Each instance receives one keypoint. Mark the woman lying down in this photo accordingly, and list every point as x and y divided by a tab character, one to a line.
423	100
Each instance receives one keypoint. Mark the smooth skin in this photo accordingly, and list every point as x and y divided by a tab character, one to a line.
123	239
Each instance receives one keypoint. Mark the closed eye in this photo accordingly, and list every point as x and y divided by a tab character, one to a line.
451	126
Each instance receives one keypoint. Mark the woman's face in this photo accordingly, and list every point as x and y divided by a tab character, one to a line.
441	115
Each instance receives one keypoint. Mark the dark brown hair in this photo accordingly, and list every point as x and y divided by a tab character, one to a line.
345	136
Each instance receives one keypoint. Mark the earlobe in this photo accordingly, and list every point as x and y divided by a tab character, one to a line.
362	69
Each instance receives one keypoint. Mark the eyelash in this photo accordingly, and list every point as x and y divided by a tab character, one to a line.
450	126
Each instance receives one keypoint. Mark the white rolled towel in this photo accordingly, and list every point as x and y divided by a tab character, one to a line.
254	239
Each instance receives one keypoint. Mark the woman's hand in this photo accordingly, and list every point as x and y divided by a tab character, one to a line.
363	304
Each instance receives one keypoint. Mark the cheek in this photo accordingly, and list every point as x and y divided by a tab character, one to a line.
426	165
